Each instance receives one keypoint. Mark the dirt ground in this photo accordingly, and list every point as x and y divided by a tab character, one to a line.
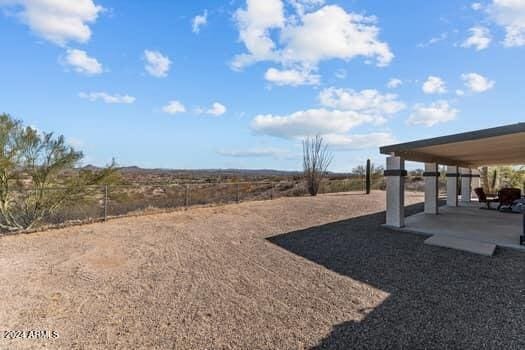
292	273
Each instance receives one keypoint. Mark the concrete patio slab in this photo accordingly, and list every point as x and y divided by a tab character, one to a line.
462	244
471	223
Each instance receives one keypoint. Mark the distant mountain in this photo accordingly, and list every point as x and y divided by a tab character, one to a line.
90	167
224	172
260	172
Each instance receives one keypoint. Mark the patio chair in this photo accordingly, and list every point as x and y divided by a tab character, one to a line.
507	196
486	198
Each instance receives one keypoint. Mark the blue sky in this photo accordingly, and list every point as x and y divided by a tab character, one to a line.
238	84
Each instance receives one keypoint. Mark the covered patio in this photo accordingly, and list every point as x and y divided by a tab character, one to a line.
460	223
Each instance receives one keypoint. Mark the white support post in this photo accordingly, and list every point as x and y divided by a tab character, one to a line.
431	176
476	180
465	185
452	186
395	191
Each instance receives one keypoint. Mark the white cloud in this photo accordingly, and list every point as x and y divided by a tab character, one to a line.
307	37
302	6
107	98
368	101
254	24
291	77
255	153
174	107
217	109
435	113
341	74
434	85
476	6
74	142
58	21
199	21
477	83
434	40
157	64
309	122
460	92
394	83
510	14
479	38
81	62
342	111
360	141
331	32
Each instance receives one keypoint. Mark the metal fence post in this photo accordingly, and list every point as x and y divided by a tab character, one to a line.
105	202
271	191
368	176
522	237
187	196
237	194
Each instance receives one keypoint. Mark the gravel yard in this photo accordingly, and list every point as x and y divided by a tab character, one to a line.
293	273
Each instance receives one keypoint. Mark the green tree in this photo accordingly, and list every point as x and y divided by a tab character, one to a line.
375	170
494	178
511	176
38	175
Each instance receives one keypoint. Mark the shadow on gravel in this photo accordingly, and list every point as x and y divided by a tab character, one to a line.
439	298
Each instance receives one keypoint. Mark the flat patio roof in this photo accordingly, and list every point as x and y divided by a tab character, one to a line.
494	146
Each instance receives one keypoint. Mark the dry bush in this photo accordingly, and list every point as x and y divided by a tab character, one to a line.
316	159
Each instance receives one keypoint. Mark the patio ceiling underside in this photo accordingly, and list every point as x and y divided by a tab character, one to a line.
498	146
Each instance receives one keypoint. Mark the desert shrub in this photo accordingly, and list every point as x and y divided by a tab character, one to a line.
34	185
316	159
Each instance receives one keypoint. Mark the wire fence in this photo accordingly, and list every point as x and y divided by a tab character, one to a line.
103	202
130	199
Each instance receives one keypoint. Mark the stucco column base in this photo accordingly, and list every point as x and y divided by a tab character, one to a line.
452	186
431	176
395	191
465	185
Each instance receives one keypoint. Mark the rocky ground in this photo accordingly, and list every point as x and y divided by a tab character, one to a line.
292	273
